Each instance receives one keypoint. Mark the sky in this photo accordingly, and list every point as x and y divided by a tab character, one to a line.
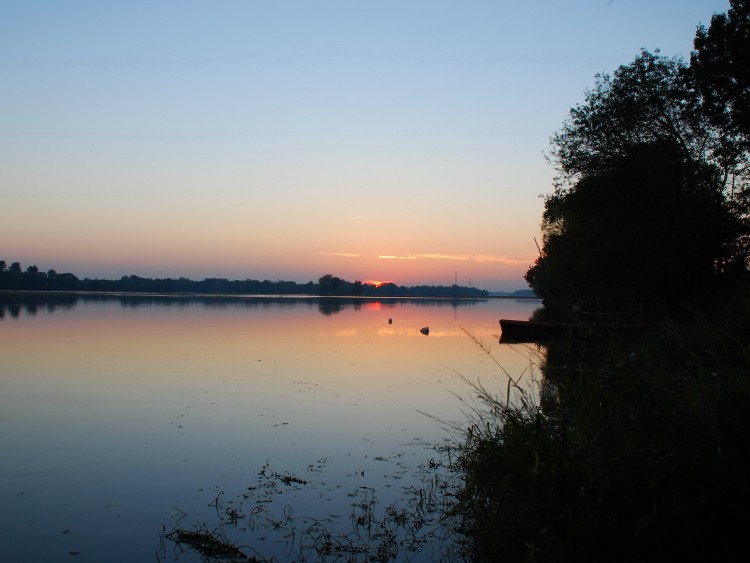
391	140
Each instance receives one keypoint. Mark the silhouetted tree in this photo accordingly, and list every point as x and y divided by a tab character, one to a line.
67	282
645	231
13	278
357	287
646	101
33	279
644	206
721	67
329	284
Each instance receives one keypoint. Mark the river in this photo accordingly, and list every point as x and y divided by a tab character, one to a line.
125	417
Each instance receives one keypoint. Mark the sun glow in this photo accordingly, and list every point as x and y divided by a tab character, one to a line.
376	283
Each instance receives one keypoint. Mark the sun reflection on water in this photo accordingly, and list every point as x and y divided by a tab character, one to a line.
116	411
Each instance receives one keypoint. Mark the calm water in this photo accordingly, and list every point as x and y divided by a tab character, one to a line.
121	418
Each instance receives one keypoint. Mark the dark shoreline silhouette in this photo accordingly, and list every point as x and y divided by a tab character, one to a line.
14	277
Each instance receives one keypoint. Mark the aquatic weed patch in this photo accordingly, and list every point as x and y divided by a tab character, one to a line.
265	520
212	545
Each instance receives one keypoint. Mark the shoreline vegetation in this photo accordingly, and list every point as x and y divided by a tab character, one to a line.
626	449
16	278
638	448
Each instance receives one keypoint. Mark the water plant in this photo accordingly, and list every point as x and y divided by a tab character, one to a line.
372	531
628	449
636	451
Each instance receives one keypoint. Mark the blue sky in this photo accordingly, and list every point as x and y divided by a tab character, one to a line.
248	139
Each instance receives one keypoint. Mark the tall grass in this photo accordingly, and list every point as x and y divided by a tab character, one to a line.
638	450
627	450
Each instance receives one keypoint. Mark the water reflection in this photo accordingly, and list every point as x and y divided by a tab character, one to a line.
14	304
119	414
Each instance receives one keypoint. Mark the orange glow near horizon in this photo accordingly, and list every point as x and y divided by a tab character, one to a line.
310	174
376	283
227	245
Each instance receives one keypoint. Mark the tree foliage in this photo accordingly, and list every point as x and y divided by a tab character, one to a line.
647	101
629	235
32	279
651	202
721	66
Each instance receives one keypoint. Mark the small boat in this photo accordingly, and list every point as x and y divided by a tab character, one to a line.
535	331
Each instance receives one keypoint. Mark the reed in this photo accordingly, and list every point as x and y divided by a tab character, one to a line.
637	450
623	450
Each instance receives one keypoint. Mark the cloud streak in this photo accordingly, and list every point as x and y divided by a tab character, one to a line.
340	254
479	258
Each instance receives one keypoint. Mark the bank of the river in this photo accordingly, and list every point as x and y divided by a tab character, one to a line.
639	451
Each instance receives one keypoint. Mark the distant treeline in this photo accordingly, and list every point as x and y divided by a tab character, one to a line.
15	277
